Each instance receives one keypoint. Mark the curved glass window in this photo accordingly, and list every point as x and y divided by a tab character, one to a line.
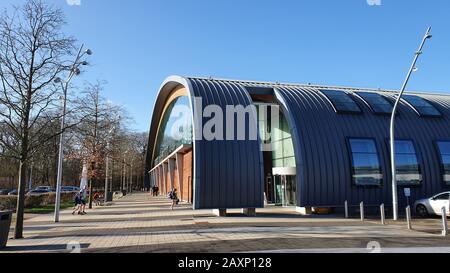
444	149
341	101
422	106
366	163
175	129
378	103
408	168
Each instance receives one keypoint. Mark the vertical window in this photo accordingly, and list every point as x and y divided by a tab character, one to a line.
444	149
408	169
283	148
366	163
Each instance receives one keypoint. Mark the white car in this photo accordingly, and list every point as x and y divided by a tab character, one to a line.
433	205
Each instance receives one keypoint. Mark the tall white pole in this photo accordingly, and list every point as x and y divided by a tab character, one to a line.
105	195
65	86
131	177
392	138
60	159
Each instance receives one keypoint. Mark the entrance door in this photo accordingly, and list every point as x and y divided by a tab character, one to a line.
285	190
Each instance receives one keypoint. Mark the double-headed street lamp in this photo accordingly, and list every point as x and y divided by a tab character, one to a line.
394	113
74	71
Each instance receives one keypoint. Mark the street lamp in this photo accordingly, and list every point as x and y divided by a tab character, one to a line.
124	169
111	131
131	178
74	71
394	112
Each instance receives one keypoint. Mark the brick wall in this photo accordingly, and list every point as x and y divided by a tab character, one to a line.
187	177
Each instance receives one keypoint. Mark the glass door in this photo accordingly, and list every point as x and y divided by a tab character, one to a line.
285	190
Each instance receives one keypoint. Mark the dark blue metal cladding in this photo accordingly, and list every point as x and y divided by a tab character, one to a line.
228	173
321	139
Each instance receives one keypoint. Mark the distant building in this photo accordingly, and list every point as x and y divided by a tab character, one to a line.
331	144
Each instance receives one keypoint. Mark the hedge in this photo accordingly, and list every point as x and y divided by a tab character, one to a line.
10	202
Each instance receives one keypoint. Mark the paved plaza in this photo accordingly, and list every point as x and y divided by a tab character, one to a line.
139	223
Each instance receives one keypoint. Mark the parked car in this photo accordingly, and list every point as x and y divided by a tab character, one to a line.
4	191
13	192
45	188
433	205
69	189
37	192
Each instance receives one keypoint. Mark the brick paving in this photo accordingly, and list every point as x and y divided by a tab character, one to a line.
139	223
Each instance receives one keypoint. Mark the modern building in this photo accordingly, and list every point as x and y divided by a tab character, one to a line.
329	145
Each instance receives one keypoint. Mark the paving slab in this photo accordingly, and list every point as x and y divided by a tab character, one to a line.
139	223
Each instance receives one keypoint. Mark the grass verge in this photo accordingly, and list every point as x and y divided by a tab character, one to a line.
49	208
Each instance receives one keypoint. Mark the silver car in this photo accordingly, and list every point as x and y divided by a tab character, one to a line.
433	205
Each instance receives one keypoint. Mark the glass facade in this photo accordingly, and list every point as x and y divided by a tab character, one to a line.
175	129
378	103
422	106
278	136
341	101
408	169
366	163
283	155
444	149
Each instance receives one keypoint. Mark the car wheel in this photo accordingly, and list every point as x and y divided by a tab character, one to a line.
422	211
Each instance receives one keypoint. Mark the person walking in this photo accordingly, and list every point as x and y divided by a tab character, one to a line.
83	201
174	197
96	199
77	203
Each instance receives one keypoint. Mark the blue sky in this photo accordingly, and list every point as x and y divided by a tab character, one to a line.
138	43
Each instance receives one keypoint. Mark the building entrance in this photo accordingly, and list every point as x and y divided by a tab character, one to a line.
285	190
285	187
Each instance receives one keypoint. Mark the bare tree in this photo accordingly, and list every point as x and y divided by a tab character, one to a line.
93	133
33	52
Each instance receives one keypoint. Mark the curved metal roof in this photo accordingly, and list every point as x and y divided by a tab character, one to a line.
229	174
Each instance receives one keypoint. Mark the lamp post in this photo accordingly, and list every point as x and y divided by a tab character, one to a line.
392	135
124	169
74	71
131	177
107	163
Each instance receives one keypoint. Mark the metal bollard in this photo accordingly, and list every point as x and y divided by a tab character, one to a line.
346	209
408	217
361	208
444	222
383	215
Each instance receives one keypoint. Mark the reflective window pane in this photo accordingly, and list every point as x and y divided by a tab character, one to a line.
444	149
175	130
366	163
377	102
445	196
283	154
363	146
341	101
422	106
407	164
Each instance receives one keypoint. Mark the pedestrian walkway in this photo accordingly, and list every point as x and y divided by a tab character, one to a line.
140	223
